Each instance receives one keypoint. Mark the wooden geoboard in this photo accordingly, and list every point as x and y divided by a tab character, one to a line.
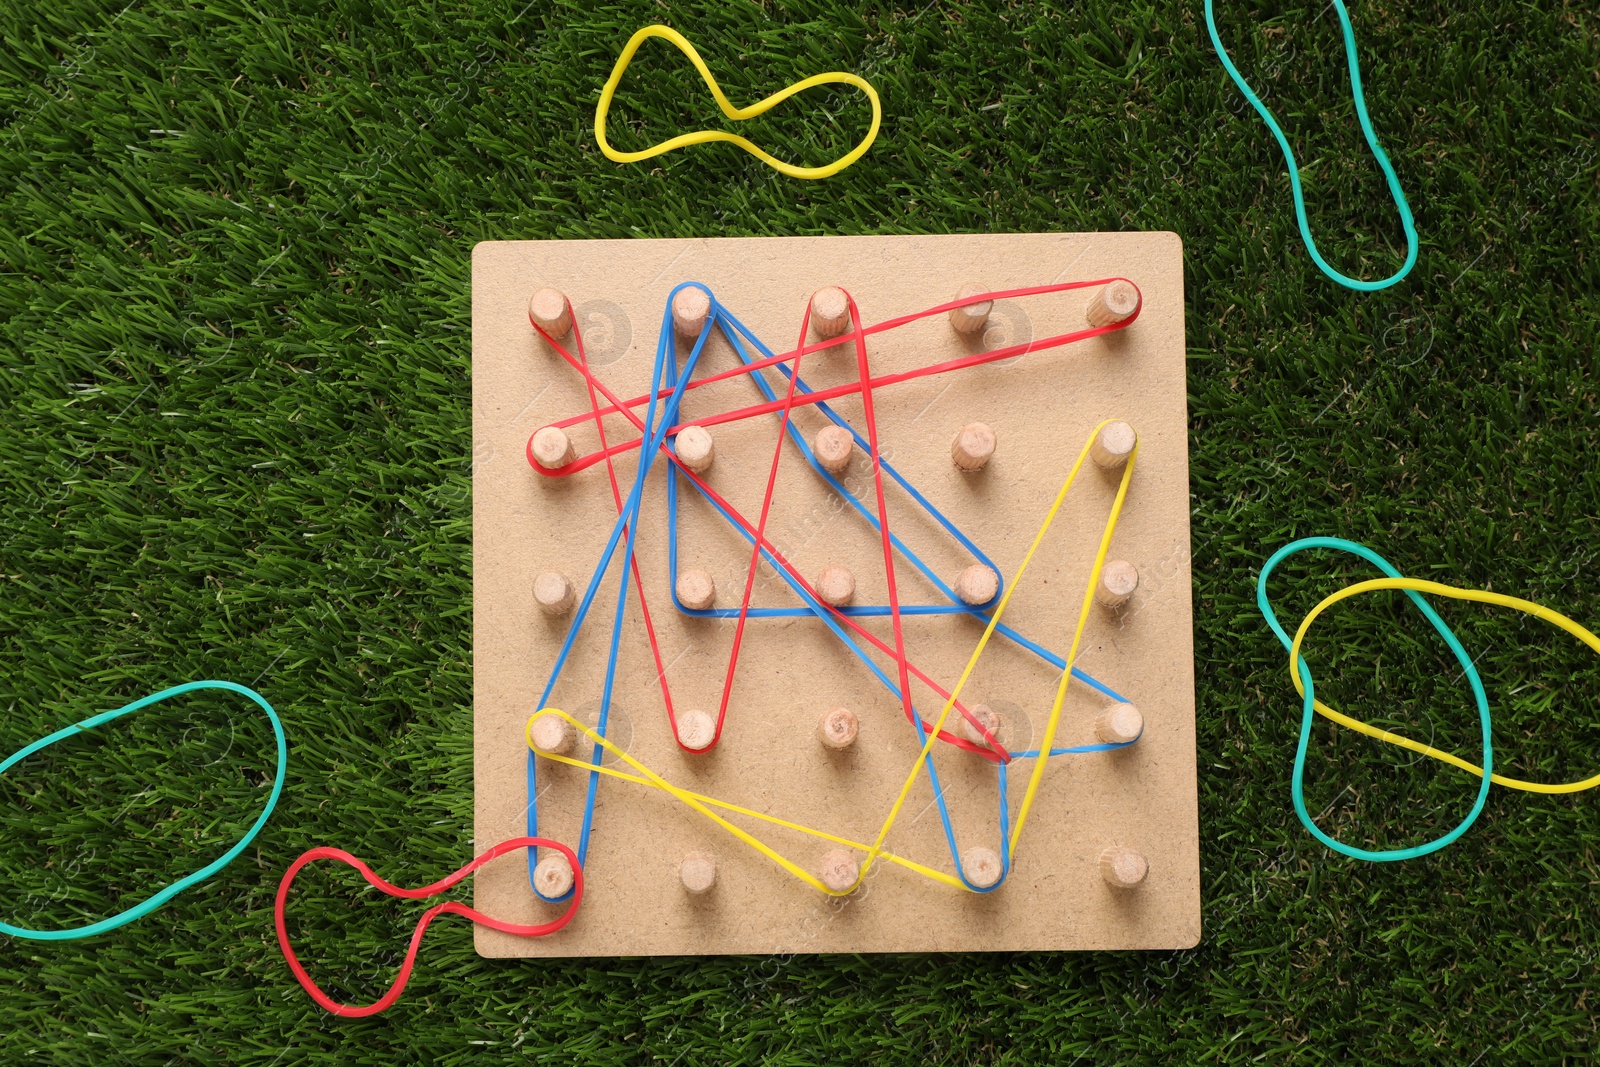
1042	405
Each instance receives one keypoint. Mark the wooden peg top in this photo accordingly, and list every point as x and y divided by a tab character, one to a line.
552	733
837	728
696	589
1118	580
839	870
695	447
833	446
552	448
1119	724
985	715
977	584
550	309
553	592
1113	445
1123	868
836	586
830	312
698	872
971	319
1112	303
981	866
690	309
696	730
553	876
972	446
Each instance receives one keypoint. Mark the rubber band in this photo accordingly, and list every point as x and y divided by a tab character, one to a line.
449	907
1395	191
666	386
1300	674
155	900
624	407
1066	676
738	114
704	804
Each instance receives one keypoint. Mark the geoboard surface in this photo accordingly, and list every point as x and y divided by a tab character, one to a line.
1043	406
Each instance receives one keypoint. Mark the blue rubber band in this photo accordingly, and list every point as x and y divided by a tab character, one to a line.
145	907
665	375
1308	709
1395	192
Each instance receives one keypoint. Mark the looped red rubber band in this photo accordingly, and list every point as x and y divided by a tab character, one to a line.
452	907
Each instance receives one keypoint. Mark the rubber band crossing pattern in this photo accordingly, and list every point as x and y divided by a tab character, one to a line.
656	433
1300	675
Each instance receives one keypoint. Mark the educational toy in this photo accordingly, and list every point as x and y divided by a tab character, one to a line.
773	658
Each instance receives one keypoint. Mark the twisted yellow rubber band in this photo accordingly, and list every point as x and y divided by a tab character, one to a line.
736	113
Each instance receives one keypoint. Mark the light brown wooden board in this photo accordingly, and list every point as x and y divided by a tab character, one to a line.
1042	405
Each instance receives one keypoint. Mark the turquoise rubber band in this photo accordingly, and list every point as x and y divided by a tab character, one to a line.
1308	710
1371	135
151	903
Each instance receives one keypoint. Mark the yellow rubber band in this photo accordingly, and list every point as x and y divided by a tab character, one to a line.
1436	589
696	800
683	140
704	804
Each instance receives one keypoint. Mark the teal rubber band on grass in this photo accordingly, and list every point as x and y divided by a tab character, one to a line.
1371	135
1308	709
145	907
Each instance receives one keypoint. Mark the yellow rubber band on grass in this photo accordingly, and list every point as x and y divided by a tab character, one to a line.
738	114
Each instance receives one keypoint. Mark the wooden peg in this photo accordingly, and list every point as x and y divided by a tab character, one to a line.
552	448
1119	724
1118	580
972	447
696	589
977	584
553	876
985	715
833	446
696	730
830	312
698	872
553	734
1113	445
970	320
690	309
837	728
836	586
981	866
839	870
1123	868
550	309
1113	303
554	593
696	448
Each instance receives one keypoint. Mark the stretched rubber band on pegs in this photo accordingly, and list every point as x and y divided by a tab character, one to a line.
1300	674
1378	154
666	33
166	893
666	387
704	804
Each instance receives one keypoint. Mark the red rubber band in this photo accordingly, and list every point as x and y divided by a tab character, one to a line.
977	359
451	907
992	750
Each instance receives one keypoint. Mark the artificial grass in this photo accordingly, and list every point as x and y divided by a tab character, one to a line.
234	317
